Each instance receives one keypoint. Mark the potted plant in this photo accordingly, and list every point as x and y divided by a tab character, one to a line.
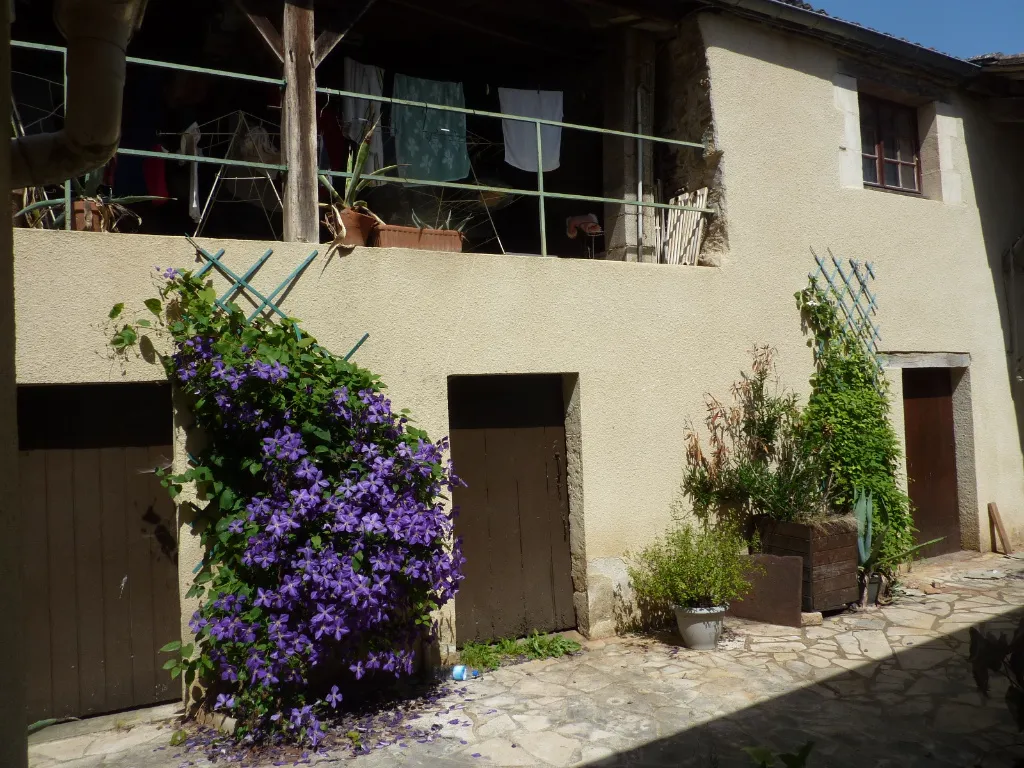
876	567
696	572
349	220
757	471
91	209
442	236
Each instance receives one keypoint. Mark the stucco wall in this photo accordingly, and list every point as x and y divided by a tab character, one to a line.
646	341
938	261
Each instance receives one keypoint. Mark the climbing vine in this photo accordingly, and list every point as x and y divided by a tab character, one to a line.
846	422
321	515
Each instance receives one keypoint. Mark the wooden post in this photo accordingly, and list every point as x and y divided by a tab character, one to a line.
298	126
995	518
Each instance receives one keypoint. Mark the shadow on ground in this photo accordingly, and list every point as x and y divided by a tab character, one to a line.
919	707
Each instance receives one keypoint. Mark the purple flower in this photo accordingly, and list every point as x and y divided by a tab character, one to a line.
224	702
334	698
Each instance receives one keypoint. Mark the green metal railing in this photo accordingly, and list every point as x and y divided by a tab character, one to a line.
538	192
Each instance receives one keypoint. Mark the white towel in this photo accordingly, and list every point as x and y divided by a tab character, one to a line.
361	114
521	138
190	146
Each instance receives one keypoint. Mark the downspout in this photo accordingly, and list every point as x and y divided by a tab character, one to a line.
97	33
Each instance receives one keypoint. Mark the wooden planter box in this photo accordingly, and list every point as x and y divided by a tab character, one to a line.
829	553
396	236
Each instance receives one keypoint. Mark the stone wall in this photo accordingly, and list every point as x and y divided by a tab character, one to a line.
683	111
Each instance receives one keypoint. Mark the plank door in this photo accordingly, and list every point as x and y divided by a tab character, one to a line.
101	569
508	446
931	457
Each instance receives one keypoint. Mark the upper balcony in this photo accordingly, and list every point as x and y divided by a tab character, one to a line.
511	137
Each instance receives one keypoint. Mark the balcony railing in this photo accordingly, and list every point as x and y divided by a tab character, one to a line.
539	192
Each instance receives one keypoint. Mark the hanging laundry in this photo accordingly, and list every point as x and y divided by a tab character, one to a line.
430	143
521	137
190	146
154	169
360	115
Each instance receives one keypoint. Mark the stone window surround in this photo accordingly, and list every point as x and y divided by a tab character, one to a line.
938	128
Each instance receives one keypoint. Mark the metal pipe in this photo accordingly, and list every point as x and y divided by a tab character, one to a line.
97	32
540	190
503	116
639	174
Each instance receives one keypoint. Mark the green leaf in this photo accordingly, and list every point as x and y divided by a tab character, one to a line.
171	647
308	341
171	663
186	651
116	311
208	294
316	541
144	323
154	305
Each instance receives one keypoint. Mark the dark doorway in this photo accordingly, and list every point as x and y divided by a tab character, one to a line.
508	445
931	457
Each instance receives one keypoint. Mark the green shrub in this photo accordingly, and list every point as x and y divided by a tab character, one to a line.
692	567
846	425
489	656
756	462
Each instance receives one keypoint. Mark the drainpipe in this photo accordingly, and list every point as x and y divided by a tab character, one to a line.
97	33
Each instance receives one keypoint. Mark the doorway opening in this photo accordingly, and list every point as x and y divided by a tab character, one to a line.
928	415
508	443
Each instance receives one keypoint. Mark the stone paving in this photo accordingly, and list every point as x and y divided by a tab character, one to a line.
887	687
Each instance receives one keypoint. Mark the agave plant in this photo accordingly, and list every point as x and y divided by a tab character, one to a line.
869	546
355	182
111	210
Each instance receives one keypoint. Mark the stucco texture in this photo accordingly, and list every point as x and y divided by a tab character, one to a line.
938	263
647	341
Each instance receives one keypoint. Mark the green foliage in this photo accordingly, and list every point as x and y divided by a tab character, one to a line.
846	424
489	656
756	463
864	511
765	758
692	567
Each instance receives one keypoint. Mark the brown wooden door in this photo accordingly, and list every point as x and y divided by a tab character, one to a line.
931	457
101	571
508	445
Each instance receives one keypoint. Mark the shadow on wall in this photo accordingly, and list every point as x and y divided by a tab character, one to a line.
996	157
917	708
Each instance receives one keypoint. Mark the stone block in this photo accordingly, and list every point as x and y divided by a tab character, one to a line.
776	591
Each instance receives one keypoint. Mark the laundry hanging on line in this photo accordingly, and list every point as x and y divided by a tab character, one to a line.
430	144
359	115
190	146
521	137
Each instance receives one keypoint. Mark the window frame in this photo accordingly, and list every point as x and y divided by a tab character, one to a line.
878	154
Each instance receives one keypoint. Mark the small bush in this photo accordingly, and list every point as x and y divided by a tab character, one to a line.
692	568
489	656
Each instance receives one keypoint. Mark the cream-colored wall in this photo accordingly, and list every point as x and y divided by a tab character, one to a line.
647	341
782	131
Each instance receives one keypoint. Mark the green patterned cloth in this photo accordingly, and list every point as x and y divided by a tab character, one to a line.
430	144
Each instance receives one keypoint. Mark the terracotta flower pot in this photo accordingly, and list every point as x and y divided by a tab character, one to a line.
396	236
86	216
358	227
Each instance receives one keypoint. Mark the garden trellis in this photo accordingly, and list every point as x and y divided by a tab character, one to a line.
850	290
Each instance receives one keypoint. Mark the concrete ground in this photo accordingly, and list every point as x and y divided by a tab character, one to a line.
888	687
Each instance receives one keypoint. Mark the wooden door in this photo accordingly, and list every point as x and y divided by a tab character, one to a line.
931	457
101	572
508	445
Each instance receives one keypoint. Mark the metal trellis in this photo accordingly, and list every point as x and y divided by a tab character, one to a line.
241	284
850	289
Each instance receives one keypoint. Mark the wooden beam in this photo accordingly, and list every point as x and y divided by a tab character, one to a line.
995	518
329	38
267	31
298	127
926	360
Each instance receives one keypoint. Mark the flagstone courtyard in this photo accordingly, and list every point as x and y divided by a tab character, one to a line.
886	687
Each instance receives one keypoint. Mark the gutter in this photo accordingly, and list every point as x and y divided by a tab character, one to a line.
849	35
97	33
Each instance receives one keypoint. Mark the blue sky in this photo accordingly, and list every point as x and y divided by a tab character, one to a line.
962	28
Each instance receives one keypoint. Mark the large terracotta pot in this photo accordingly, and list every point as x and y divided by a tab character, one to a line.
358	227
86	216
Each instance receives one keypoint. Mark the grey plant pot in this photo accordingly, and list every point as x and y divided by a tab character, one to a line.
700	628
